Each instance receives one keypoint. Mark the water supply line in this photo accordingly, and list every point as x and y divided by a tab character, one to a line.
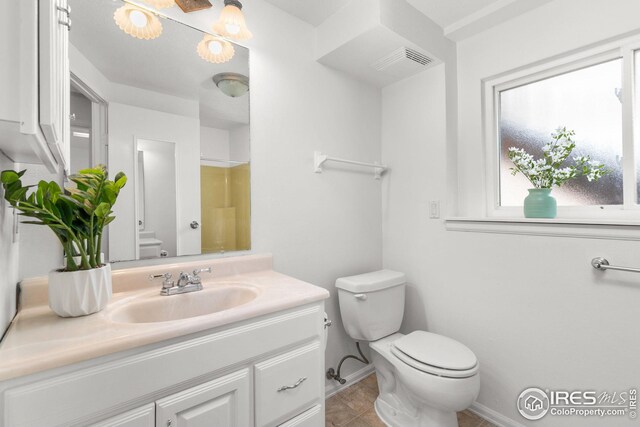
335	375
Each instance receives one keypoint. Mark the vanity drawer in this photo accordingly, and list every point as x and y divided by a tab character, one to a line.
287	384
310	418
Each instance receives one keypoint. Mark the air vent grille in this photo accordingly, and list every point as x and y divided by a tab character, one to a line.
402	54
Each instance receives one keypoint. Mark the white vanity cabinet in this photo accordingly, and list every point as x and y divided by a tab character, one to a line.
262	372
35	106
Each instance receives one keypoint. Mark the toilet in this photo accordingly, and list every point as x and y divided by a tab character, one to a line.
423	378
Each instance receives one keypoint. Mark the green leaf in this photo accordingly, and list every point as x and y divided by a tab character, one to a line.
9	176
121	182
102	210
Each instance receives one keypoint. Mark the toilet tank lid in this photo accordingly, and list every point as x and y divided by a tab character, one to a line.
369	282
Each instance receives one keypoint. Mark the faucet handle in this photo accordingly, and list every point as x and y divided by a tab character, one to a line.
166	283
201	270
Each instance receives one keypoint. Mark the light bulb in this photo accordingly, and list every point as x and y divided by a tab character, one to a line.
232	28
137	22
231	23
215	50
138	18
215	47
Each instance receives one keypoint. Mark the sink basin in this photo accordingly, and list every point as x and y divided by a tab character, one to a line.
156	308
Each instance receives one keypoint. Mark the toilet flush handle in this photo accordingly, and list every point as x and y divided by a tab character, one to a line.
361	297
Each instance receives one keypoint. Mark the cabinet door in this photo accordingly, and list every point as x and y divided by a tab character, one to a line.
287	384
140	417
54	79
223	402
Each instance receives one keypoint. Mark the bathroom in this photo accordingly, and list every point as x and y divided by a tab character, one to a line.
520	293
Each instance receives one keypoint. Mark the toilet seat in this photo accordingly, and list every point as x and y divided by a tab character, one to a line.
436	355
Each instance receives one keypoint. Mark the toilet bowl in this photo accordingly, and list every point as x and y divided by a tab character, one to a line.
426	396
423	378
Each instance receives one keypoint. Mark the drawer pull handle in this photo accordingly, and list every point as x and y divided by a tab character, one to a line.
296	385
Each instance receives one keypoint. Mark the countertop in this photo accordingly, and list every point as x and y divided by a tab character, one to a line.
38	339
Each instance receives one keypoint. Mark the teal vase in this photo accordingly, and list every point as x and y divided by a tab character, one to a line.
540	204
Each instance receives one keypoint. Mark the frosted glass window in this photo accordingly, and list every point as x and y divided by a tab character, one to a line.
585	100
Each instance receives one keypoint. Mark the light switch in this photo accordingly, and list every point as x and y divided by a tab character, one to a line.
434	209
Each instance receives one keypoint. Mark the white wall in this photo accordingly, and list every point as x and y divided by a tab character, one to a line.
126	123
530	307
214	144
240	144
8	256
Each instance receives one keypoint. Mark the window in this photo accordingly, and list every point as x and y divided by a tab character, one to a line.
587	93
585	100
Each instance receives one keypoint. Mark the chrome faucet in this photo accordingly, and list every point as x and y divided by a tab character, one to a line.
185	283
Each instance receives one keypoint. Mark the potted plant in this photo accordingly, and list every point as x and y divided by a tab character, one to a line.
550	171
77	216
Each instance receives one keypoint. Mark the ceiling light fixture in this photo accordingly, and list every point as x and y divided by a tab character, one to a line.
215	50
160	4
231	23
138	22
232	84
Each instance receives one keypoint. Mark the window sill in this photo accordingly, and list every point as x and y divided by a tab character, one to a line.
557	227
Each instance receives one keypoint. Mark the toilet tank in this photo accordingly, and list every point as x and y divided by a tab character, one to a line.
372	304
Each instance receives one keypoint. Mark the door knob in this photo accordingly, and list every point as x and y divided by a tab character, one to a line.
195	225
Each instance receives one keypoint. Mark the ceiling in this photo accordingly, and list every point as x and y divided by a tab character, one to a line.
446	13
315	12
168	64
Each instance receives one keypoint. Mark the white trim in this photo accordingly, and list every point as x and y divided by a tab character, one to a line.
334	387
492	416
568	227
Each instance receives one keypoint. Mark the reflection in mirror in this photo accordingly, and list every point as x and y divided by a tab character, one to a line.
173	114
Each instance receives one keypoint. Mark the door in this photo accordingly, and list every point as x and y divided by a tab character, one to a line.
223	402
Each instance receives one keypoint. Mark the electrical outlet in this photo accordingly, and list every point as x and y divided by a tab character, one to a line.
434	209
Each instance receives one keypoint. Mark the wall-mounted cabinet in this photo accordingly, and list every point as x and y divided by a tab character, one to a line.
34	76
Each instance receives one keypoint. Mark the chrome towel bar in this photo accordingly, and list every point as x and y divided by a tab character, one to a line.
602	264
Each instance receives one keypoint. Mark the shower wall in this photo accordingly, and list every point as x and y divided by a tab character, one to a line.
226	224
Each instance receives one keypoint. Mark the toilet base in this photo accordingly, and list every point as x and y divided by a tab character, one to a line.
428	417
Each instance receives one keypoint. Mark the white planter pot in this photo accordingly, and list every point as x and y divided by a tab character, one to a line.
78	293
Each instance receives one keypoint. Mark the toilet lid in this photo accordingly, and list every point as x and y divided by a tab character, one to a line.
436	354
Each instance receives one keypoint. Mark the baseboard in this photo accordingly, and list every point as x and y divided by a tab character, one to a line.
492	416
352	379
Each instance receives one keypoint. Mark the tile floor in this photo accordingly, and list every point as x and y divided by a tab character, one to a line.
353	407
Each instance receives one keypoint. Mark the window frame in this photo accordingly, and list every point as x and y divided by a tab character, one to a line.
623	49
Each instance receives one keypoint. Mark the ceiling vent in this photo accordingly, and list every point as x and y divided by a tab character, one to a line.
403	62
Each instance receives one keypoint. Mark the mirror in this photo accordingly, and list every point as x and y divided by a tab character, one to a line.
175	123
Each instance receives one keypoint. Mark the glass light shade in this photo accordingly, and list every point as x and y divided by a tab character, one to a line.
137	22
215	50
232	84
231	23
160	4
